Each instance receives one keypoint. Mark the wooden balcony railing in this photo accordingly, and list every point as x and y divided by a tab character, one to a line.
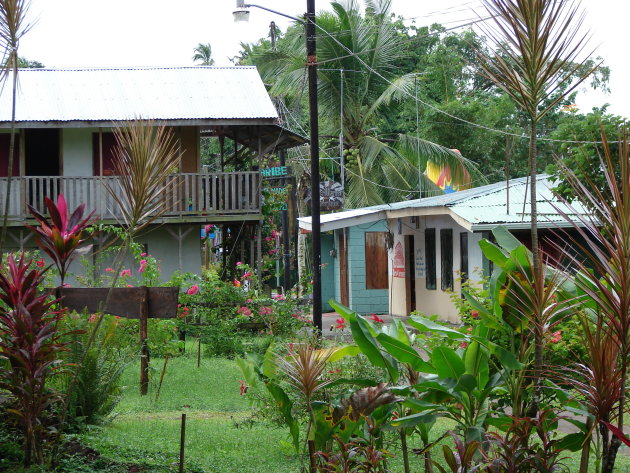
195	195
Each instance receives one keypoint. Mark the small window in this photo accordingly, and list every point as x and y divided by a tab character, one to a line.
429	248
446	253
463	256
376	267
103	153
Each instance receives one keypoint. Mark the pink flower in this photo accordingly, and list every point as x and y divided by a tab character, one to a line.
93	318
192	290
279	297
129	285
273	252
143	265
265	310
125	272
274	233
238	263
237	283
463	345
376	319
65	284
469	329
142	255
244	311
249	301
109	270
247	275
556	336
40	263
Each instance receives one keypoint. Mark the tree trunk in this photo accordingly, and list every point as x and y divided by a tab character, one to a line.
405	451
532	410
7	199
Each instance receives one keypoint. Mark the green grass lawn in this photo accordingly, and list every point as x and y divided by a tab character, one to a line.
217	439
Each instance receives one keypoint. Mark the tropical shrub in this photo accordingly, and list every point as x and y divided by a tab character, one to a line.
32	346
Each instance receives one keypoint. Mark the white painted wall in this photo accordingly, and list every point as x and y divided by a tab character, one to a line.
76	146
432	301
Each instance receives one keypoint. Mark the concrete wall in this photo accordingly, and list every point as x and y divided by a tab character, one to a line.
76	149
431	301
159	242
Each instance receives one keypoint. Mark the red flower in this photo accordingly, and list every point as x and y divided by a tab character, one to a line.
192	290
341	323
243	388
40	263
463	345
556	336
474	314
376	319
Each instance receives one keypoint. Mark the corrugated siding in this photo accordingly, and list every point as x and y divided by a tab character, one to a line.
121	94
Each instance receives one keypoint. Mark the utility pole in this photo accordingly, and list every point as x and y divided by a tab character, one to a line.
311	62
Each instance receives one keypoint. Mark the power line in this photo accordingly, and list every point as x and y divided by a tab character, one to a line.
437	109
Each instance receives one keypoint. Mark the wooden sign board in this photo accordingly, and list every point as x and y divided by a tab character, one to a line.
124	301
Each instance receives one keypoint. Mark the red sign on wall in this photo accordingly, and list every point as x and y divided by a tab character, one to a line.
399	261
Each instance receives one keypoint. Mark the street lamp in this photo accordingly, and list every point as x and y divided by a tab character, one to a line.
242	14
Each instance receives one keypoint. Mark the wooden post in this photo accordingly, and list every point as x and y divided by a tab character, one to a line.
144	354
199	352
182	441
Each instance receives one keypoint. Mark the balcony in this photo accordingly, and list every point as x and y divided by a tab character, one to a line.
188	197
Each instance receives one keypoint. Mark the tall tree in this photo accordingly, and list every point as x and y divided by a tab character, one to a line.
536	41
359	53
203	53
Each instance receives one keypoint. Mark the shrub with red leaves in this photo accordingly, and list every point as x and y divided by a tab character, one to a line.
30	342
60	237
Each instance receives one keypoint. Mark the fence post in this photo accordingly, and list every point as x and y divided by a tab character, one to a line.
182	440
144	355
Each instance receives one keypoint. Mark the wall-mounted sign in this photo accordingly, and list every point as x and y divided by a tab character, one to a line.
275	172
420	265
399	261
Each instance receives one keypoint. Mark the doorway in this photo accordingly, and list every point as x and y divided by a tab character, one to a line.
410	273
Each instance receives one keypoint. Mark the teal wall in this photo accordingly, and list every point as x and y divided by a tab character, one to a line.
328	271
362	300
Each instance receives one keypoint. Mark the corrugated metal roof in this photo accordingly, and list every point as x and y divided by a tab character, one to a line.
483	207
174	93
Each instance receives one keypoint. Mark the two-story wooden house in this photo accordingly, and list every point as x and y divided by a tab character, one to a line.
64	121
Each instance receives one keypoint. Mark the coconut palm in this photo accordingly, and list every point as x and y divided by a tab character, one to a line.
358	56
203	53
538	48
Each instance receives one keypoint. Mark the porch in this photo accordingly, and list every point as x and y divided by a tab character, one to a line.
188	197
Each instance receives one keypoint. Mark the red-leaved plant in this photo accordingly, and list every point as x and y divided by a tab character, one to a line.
604	283
30	342
65	232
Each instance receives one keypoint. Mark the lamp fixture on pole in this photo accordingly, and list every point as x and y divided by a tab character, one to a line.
242	14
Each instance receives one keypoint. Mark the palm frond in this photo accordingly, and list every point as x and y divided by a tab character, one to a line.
145	156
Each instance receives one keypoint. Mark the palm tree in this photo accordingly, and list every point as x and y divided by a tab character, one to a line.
539	42
203	53
358	56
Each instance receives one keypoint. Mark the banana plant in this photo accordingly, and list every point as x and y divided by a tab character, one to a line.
525	306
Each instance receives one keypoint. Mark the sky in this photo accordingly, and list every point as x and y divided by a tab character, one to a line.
127	33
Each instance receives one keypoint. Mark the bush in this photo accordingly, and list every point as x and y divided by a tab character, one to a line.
98	385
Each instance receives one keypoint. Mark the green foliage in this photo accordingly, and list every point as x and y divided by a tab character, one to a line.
98	386
584	159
